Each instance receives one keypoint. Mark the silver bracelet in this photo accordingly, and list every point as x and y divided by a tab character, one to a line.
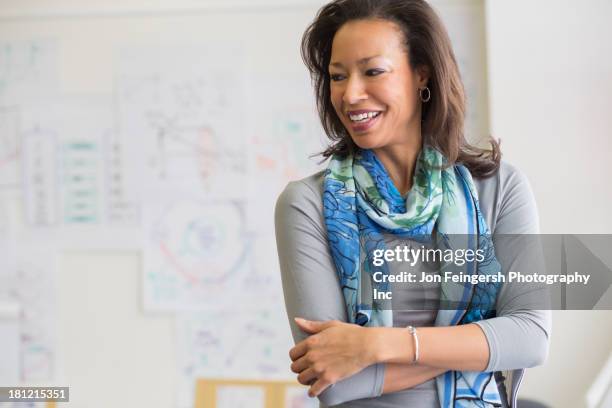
413	331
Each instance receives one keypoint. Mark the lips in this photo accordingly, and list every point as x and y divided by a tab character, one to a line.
363	125
360	111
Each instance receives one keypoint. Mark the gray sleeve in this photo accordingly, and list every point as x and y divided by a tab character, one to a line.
310	284
519	336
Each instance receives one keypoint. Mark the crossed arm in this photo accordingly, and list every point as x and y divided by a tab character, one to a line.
337	350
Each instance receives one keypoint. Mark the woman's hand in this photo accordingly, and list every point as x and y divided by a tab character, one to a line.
334	351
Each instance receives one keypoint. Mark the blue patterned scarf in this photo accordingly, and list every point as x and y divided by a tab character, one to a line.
361	204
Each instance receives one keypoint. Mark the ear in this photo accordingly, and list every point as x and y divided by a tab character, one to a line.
422	75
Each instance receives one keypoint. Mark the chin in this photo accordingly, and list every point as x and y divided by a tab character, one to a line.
367	141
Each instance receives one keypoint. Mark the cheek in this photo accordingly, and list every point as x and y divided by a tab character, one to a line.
390	93
405	102
410	101
334	94
336	100
400	93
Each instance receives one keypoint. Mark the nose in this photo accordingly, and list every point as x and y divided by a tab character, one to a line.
355	91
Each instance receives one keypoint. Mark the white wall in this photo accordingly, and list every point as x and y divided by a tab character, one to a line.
550	84
550	72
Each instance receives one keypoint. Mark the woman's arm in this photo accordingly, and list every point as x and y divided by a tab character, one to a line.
460	348
337	350
310	284
400	377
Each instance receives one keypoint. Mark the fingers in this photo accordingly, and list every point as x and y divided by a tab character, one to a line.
307	377
298	350
300	364
309	369
312	374
319	386
309	326
314	326
303	347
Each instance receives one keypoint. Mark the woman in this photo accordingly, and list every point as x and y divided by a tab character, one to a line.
391	100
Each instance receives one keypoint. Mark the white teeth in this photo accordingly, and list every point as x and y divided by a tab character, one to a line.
363	117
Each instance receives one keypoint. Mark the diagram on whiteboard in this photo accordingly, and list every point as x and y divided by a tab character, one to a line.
193	152
122	187
285	132
211	347
283	148
74	177
185	117
286	128
40	189
234	345
64	164
10	148
27	278
196	256
28	70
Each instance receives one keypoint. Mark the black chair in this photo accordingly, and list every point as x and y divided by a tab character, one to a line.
526	403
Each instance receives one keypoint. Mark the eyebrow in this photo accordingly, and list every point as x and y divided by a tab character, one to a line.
359	62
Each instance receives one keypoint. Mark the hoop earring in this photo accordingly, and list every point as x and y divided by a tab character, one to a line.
424	90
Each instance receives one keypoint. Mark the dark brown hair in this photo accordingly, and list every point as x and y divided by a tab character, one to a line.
428	45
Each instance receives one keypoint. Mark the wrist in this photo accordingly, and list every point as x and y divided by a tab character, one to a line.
394	345
375	349
390	345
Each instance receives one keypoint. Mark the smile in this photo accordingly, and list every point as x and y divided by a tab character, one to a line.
363	117
363	120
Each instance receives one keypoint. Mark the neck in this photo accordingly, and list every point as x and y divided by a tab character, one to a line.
400	161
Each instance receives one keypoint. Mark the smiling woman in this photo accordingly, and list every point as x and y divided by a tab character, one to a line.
373	89
391	101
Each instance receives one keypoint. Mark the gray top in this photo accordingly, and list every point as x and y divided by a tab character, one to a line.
518	338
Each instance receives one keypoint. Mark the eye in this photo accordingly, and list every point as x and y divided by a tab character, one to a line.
374	72
336	77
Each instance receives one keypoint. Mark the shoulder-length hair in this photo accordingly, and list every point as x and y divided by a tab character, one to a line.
428	45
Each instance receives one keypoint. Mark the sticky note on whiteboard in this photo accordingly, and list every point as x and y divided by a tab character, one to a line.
9	343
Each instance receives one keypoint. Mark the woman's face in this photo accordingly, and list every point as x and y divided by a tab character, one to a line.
373	88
